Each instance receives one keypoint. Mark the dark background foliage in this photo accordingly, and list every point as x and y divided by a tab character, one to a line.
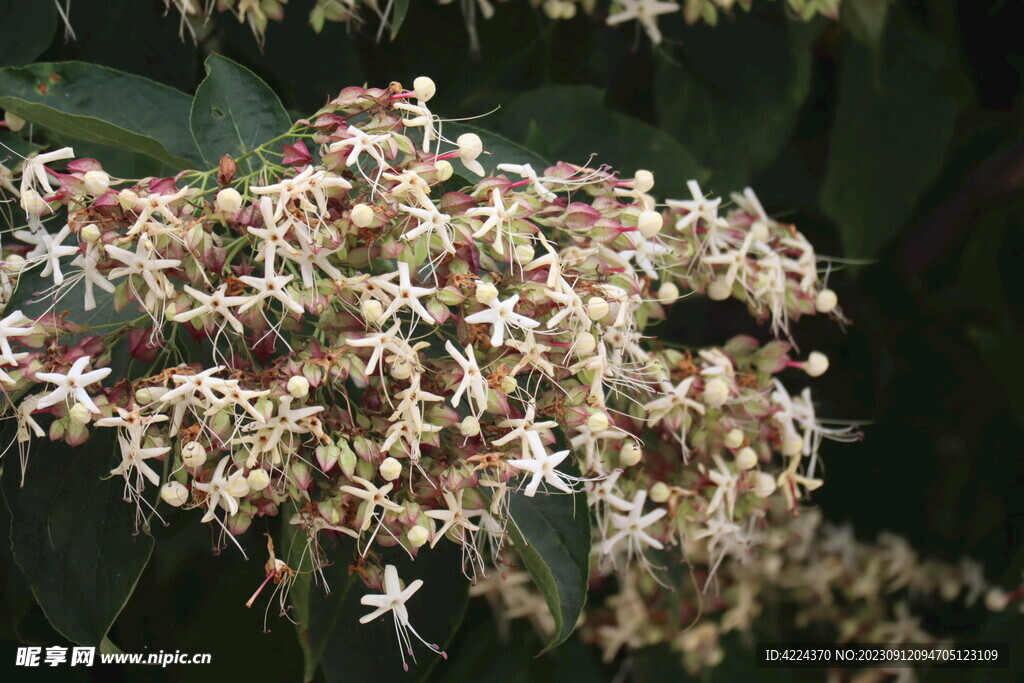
903	152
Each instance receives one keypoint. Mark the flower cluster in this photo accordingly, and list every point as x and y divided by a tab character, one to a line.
258	13
358	337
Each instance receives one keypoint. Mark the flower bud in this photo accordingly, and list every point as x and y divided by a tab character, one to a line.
390	469
509	384
418	535
470	426
424	89
660	492
524	253
79	414
91	233
716	392
298	386
400	369
630	454
444	170
486	292
668	293
584	344
996	600
791	445
174	494
553	9
597	422
32	202
746	459
649	223
258	480
597	308
229	201
816	364
764	485
372	310
14	263
826	301
193	454
470	147
719	289
96	182
643	181
13	121
734	439
361	215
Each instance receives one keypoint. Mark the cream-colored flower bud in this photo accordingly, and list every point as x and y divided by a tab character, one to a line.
372	310
174	494
390	469
239	488
145	396
746	459
193	454
485	292
424	88
996	600
509	384
568	10
13	121
734	438
14	264
597	308
228	201
585	344
96	182
418	535
32	202
716	392
792	445
444	170
630	454
949	588
127	198
643	181
553	9
470	426
760	231
298	386
524	253
91	233
597	422
361	215
79	414
826	301
400	369
719	289
668	293
816	364
649	223
258	480
660	492
764	485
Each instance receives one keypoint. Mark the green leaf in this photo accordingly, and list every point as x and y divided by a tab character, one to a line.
365	652
234	112
316	612
102	105
736	114
401	9
498	149
552	536
73	535
572	122
893	129
865	20
26	29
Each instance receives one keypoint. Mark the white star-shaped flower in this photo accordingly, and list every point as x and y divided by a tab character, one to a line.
501	316
542	466
72	384
393	600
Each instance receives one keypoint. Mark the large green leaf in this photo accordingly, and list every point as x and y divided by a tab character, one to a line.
234	112
571	122
736	114
316	612
107	106
369	652
26	29
74	537
893	129
552	536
